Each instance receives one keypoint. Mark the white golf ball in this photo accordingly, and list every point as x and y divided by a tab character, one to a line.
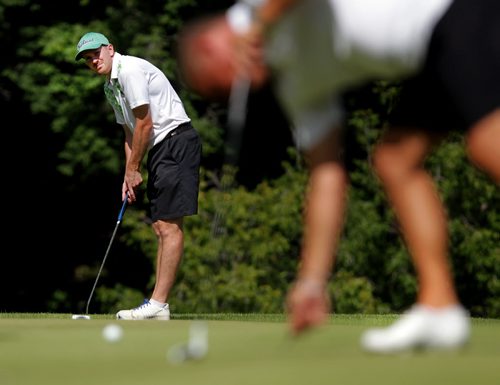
112	333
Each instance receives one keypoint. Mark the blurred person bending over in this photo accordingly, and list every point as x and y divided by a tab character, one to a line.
447	55
156	124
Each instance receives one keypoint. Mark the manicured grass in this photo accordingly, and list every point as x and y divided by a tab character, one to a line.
244	349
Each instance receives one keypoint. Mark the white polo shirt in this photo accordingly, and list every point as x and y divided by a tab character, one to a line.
135	82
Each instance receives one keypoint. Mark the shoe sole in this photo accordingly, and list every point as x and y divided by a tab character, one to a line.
144	319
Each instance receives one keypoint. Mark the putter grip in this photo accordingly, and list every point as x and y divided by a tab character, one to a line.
124	206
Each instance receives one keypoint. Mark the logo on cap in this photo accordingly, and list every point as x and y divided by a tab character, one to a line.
83	42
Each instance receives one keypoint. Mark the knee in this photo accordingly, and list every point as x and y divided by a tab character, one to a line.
482	144
388	166
479	144
167	230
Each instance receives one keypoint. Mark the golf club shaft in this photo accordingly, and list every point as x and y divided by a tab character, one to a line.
236	117
120	216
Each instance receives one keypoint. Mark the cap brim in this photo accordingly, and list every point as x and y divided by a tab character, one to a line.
88	47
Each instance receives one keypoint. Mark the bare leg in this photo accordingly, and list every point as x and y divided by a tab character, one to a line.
483	144
308	303
170	248
437	321
399	164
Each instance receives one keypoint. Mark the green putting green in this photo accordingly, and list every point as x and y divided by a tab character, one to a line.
253	350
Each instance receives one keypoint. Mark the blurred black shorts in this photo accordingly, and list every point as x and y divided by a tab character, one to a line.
460	81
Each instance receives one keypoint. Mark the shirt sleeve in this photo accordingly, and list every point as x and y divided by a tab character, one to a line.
134	85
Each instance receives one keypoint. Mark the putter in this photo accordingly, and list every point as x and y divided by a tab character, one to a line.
120	216
236	118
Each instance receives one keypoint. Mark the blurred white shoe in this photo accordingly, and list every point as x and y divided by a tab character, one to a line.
146	311
421	327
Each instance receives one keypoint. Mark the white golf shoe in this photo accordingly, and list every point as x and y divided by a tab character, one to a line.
146	311
421	327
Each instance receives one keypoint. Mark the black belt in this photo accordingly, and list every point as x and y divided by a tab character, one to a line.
179	129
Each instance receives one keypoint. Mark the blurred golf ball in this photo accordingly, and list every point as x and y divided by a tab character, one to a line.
112	333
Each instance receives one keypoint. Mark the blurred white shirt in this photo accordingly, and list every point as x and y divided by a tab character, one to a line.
321	48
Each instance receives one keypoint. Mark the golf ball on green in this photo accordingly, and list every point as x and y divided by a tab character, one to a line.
112	333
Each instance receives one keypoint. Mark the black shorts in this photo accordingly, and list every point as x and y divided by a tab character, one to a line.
173	174
460	81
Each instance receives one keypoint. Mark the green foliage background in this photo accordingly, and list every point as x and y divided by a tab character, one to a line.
72	157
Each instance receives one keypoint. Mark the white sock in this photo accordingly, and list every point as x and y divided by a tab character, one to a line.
157	303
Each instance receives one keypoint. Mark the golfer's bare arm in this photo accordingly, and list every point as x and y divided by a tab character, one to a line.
128	143
140	139
136	146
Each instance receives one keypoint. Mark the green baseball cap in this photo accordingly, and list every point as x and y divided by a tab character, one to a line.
91	40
